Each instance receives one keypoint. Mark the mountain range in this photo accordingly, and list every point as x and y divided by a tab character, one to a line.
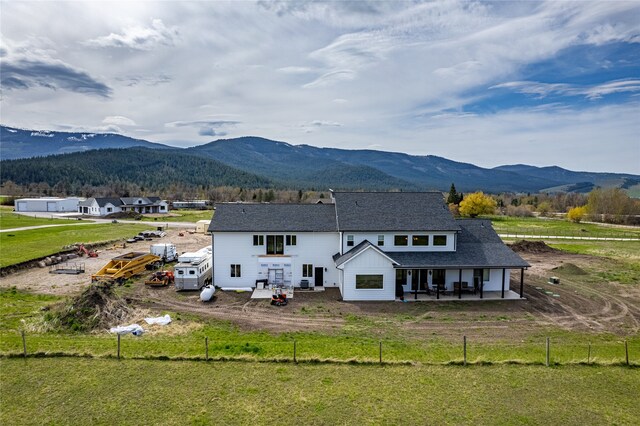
258	162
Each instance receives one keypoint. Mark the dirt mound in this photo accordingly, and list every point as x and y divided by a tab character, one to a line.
524	246
97	307
124	215
571	269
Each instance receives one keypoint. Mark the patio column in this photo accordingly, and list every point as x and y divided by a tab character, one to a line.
481	288
521	282
437	291
503	274
460	284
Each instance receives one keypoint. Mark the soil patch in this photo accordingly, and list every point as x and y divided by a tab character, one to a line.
524	246
570	268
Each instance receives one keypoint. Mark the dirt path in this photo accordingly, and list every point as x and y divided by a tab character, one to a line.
585	302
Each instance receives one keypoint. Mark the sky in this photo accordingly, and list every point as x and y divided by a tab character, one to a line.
489	83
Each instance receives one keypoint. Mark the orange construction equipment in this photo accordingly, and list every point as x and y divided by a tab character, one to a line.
82	250
126	266
160	279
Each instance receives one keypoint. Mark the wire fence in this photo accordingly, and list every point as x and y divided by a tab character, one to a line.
353	351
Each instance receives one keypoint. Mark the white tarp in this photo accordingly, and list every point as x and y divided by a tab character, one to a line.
134	329
164	320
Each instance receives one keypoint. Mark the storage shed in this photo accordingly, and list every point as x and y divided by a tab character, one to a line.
47	204
202	226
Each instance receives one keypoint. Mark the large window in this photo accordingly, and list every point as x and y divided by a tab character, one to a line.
420	240
307	270
400	240
275	244
439	240
380	240
258	240
369	282
235	271
291	240
349	240
486	275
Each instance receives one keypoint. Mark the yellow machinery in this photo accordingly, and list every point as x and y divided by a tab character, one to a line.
125	266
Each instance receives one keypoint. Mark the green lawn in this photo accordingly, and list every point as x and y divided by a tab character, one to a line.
357	341
92	391
10	220
542	226
20	246
185	215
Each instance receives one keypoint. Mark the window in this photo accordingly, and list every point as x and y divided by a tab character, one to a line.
400	240
109	209
420	240
291	240
349	240
380	240
258	240
307	270
180	271
369	282
439	240
235	271
485	275
275	244
192	272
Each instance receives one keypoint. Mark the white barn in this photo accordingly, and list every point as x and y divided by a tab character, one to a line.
47	204
106	206
371	245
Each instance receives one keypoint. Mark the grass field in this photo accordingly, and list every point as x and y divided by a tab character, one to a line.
542	226
9	220
90	391
357	341
185	215
22	246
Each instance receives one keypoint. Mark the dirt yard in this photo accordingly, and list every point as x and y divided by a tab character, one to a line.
582	301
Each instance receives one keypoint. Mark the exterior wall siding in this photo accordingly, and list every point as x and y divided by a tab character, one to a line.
236	248
369	262
372	237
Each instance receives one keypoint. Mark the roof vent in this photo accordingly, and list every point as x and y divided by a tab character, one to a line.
243	211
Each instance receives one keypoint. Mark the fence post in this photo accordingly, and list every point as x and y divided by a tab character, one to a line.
118	346
380	352
464	350
24	344
206	348
294	352
548	354
626	352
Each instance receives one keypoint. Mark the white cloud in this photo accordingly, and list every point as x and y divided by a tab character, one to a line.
119	120
139	37
597	91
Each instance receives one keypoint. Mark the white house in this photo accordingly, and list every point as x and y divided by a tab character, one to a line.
372	245
106	206
47	204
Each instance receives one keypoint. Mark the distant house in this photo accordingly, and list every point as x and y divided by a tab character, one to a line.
106	206
47	204
372	246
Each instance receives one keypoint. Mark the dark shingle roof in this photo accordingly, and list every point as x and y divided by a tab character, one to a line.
250	217
393	211
339	260
104	201
478	246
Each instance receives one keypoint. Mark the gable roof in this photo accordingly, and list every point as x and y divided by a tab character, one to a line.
478	246
265	217
393	211
357	250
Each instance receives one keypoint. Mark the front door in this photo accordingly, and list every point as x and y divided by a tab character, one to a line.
318	274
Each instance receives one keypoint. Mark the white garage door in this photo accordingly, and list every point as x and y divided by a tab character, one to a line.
22	206
52	206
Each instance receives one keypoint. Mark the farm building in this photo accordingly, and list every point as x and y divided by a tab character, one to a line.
106	206
371	245
49	204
